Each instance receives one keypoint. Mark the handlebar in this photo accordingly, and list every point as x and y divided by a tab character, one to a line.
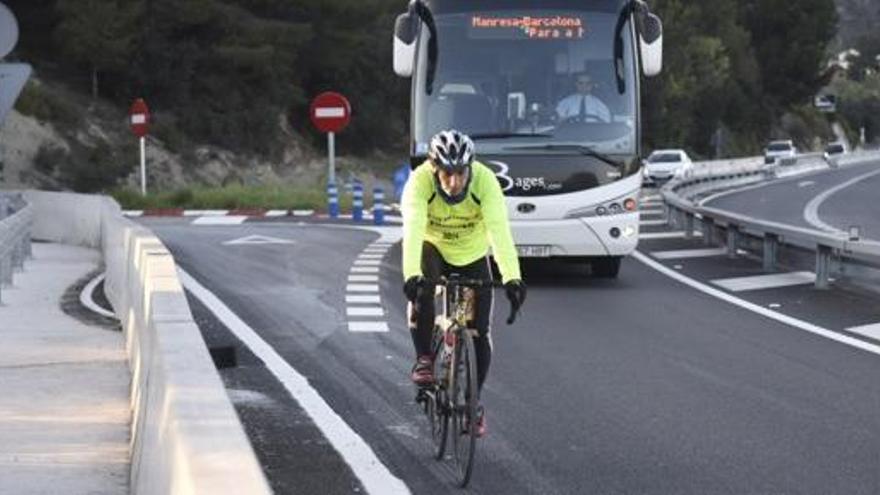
474	284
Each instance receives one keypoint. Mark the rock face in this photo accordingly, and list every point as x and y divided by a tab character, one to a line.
857	18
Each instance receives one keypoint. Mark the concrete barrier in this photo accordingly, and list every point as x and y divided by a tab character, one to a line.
186	436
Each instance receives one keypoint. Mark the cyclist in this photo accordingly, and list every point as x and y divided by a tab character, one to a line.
453	211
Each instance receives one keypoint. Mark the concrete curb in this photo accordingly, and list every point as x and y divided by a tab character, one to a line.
186	436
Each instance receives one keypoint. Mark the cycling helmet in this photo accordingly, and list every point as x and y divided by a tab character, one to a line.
451	150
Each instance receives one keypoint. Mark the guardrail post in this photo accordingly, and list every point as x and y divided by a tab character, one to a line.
708	229
732	240
823	263
771	248
4	207
688	225
6	269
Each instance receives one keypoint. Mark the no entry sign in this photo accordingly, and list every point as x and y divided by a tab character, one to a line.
330	112
139	118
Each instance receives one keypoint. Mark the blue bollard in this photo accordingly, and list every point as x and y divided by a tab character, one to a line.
332	200
357	201
378	206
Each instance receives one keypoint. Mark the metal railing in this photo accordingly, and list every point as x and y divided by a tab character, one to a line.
16	219
835	252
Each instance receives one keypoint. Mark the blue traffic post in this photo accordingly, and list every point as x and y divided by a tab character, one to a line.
357	201
378	206
332	200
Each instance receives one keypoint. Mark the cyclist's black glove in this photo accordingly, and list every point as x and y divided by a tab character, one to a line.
412	287
516	293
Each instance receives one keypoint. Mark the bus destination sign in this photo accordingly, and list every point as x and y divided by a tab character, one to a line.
527	27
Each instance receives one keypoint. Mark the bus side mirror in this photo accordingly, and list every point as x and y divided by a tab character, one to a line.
405	29
651	44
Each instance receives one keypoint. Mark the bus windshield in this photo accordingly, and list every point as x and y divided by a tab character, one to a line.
517	77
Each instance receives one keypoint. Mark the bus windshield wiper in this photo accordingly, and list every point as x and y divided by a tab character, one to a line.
508	135
580	148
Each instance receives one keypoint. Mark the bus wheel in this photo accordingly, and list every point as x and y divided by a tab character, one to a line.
606	267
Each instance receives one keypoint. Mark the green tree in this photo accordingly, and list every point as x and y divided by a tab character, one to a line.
97	33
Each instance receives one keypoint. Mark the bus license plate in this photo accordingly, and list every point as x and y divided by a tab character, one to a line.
533	251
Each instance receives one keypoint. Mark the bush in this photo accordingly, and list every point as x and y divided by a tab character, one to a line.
44	106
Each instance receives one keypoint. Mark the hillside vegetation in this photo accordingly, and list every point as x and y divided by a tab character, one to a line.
229	82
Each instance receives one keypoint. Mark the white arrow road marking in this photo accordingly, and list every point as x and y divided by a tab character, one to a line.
258	239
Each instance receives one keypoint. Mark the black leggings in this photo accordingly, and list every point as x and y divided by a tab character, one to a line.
433	267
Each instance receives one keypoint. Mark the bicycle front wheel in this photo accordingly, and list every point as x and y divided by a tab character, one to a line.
464	397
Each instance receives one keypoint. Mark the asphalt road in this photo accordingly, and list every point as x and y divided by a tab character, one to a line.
785	200
640	385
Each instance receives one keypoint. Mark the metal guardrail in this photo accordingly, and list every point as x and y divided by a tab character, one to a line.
16	219
735	229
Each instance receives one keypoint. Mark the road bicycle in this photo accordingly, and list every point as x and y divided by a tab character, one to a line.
450	403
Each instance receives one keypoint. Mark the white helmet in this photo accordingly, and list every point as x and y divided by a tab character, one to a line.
451	150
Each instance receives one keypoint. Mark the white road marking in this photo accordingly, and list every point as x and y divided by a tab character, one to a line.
227	220
652	213
374	475
303	213
276	213
258	239
758	282
652	198
806	183
652	223
383	249
85	297
369	256
678	234
359	299
204	213
367	262
361	288
787	320
688	253
364	311
133	213
368	326
363	278
872	330
811	211
365	269
652	210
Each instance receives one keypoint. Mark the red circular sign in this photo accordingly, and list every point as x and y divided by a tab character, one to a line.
330	112
139	118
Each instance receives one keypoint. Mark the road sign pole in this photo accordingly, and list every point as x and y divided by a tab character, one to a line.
143	167
331	152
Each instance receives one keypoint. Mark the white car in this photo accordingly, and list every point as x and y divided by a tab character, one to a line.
663	165
782	152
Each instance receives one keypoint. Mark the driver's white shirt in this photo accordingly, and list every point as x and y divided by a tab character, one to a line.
570	106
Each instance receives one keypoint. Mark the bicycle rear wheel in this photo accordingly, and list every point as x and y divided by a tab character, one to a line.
464	399
438	407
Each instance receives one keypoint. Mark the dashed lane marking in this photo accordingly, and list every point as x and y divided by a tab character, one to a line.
369	256
688	253
361	288
363	278
367	262
367	326
365	269
362	299
364	311
758	282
